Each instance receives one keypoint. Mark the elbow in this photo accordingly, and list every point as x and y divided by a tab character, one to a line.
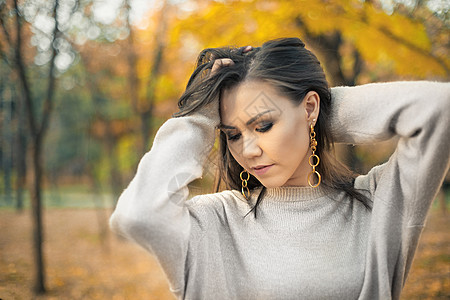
442	100
117	223
133	227
132	216
125	216
123	225
433	109
440	115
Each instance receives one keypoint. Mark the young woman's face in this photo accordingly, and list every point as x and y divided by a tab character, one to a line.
268	134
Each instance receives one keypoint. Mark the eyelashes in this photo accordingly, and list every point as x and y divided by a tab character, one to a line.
233	137
266	127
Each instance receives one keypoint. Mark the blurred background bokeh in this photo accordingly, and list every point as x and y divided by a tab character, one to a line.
85	84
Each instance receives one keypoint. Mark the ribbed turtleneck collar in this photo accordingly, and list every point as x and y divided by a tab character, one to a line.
294	193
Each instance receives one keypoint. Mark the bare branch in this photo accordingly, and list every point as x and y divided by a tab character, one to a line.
132	61
22	73
3	25
357	65
157	55
49	101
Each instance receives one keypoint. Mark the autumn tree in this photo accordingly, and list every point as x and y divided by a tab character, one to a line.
142	86
36	69
111	119
347	35
126	92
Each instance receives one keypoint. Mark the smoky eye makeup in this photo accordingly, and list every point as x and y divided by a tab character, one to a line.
265	126
233	137
262	127
261	123
229	134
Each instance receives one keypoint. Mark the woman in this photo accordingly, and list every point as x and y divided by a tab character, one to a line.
316	231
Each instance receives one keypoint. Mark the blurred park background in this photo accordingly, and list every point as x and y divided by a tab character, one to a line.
85	84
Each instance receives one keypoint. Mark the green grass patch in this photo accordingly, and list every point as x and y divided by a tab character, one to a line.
67	197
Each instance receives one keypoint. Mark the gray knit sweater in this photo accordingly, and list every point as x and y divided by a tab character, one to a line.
305	243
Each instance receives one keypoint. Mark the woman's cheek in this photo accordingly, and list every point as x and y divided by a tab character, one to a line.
236	154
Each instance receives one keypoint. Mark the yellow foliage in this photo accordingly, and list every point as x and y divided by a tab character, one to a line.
127	153
165	88
389	40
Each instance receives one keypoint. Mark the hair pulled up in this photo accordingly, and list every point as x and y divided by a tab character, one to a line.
291	68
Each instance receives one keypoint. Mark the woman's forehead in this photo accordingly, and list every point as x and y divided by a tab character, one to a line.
249	99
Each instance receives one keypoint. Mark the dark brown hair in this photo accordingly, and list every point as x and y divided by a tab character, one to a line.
287	65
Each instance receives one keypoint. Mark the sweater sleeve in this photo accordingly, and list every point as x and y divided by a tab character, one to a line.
151	211
418	113
402	189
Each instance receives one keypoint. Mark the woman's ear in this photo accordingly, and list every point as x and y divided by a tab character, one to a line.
311	103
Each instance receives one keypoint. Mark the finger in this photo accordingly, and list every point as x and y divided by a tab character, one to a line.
223	62
242	50
247	49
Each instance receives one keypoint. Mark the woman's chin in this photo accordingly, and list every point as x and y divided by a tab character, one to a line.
268	184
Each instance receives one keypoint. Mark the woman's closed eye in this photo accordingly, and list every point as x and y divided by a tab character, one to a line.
264	128
233	137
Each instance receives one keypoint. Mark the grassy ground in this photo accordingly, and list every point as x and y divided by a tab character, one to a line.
86	262
81	264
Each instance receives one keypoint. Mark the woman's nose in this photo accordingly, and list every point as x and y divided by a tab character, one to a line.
250	147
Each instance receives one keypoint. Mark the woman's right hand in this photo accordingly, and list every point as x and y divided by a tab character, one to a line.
224	62
211	110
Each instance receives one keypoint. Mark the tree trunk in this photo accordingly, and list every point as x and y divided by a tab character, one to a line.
116	178
21	154
101	213
38	127
146	118
6	103
36	202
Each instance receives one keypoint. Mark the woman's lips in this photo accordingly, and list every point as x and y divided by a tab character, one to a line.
260	170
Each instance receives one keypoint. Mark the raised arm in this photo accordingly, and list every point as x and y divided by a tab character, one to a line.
416	112
402	189
151	210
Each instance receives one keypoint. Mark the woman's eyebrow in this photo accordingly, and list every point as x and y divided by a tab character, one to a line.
249	122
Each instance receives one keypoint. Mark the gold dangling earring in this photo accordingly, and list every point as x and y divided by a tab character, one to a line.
313	158
245	191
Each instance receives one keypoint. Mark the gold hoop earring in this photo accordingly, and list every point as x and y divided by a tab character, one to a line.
245	191
313	159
